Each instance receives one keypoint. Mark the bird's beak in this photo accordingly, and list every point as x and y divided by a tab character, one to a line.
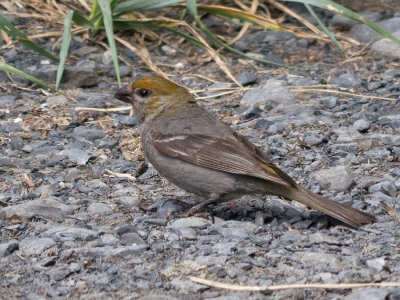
124	94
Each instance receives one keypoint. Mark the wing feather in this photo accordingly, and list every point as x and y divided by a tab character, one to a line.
237	155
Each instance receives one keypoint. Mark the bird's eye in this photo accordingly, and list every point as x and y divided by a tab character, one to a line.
143	92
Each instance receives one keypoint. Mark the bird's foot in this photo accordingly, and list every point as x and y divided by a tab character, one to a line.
187	210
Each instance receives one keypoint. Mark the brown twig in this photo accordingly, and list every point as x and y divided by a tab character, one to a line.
392	212
345	286
340	92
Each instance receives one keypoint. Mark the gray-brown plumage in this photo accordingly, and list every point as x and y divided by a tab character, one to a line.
205	156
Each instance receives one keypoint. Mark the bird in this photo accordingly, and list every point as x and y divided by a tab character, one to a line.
203	155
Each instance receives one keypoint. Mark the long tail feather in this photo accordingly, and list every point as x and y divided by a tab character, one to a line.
344	213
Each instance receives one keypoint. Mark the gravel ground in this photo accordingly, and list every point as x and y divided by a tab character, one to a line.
73	225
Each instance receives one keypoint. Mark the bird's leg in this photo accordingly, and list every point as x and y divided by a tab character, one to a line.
195	209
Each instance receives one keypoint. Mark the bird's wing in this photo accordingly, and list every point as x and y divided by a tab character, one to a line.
236	155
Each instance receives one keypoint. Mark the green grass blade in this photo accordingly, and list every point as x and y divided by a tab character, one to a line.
66	40
191	7
324	28
123	24
94	9
80	20
140	5
341	10
14	32
189	38
240	15
10	69
108	25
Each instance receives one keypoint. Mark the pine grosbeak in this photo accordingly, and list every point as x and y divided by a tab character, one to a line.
204	156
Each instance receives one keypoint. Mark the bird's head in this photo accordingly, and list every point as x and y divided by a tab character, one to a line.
148	94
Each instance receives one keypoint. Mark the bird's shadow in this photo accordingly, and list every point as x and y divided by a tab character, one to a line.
270	212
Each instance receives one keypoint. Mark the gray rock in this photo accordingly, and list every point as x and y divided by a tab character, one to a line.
83	74
189	222
157	297
272	36
376	264
69	232
347	135
124	228
377	197
88	133
96	184
251	112
126	120
130	201
276	128
313	139
187	286
345	147
73	174
46	208
99	209
33	296
45	73
362	125
109	239
130	238
7	101
9	17
377	154
386	46
397	184
237	230
168	207
371	293
364	34
85	50
168	50
373	85
259	218
387	187
59	273
326	277
106	58
171	236
186	233
338	178
392	121
8	247
246	78
298	111
16	143
273	92
328	101
303	42
225	248
45	190
34	246
346	23
346	80
57	100
80	157
27	148
320	238
318	258
123	71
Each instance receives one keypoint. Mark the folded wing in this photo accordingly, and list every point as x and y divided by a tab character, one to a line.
237	155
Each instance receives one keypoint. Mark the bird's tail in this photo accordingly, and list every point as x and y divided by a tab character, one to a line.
344	213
